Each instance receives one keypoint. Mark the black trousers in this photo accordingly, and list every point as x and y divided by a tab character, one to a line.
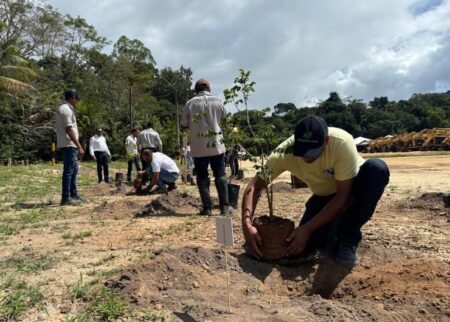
102	165
372	178
133	160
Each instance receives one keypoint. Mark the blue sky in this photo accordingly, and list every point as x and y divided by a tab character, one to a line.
298	51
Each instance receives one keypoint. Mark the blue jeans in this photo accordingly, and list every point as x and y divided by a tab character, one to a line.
70	171
217	165
372	178
165	177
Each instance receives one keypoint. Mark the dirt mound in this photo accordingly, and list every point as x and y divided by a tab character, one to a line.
118	208
173	203
434	201
191	282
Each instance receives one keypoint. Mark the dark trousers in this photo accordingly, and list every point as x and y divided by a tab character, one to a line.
217	163
102	165
372	178
133	160
70	171
234	165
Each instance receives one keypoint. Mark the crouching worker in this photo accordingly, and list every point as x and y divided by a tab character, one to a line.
162	172
346	190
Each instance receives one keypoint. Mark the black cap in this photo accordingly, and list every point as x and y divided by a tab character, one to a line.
310	135
71	93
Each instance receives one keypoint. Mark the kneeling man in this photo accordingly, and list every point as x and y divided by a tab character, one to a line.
345	187
162	171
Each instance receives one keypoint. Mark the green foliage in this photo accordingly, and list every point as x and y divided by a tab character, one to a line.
107	306
20	298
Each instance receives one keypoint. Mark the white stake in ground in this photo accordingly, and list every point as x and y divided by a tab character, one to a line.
224	232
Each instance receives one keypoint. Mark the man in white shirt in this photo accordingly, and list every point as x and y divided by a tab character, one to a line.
148	139
162	171
100	153
132	152
67	141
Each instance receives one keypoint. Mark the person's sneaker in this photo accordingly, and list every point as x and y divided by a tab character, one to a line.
171	186
347	255
78	197
70	202
226	211
159	191
205	212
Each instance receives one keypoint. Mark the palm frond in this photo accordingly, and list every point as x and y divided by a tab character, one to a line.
16	72
13	85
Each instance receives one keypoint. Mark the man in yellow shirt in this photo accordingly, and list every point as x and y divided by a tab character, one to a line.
346	190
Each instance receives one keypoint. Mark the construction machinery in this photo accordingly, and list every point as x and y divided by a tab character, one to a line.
425	140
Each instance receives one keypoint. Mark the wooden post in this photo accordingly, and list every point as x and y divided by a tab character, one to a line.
9	161
53	154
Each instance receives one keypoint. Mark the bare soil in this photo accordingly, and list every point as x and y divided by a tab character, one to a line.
167	259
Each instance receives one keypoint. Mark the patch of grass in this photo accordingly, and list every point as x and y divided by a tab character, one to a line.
80	290
7	229
188	305
30	263
155	315
107	306
20	298
78	236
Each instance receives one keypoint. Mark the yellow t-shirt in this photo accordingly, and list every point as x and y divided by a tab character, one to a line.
339	161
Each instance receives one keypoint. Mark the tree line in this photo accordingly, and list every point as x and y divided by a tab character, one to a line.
42	52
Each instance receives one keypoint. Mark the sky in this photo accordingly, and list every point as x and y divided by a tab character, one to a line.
297	51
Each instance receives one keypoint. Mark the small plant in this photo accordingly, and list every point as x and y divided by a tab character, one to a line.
155	315
188	305
80	290
107	306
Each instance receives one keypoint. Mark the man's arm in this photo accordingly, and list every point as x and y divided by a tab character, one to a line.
154	181
107	149
250	199
91	148
300	235
159	143
74	139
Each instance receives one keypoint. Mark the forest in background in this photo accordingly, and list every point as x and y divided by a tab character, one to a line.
42	52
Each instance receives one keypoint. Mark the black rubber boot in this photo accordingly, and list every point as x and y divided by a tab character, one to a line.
222	191
203	189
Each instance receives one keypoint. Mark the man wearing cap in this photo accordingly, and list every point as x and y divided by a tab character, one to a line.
346	190
203	114
67	141
100	153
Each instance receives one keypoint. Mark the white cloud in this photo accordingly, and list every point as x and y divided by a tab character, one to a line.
298	51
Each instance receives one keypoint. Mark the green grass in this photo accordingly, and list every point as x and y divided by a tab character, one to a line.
78	236
80	290
29	263
19	298
106	306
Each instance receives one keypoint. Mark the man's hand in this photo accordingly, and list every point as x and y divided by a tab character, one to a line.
94	158
80	152
252	241
297	239
139	174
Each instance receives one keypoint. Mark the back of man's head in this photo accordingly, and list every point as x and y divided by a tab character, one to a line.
149	124
71	93
202	85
